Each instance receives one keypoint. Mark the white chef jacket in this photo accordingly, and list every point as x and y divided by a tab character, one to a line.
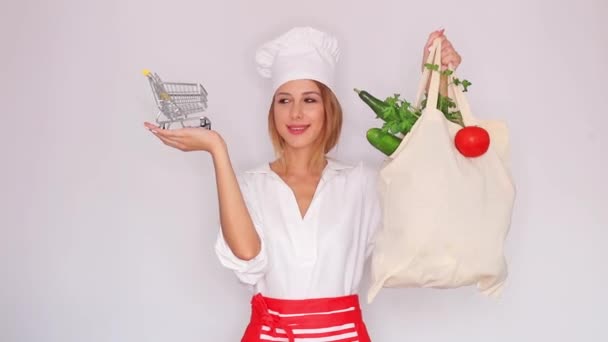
321	255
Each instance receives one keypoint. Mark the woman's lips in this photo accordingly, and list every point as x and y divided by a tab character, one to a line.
297	129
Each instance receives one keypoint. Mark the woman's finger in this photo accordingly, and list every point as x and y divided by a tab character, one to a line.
166	141
171	133
434	35
452	58
170	142
151	126
449	54
446	45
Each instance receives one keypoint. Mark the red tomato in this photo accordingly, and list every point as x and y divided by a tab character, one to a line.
472	141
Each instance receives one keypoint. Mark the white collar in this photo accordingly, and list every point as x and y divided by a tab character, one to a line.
332	164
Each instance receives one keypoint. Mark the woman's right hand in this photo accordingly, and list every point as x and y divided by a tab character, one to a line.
189	138
448	54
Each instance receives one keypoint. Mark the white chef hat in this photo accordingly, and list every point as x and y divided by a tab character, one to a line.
300	53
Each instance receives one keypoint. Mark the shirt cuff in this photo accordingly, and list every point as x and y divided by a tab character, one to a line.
247	271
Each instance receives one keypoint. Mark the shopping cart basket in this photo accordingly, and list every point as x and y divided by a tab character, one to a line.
178	101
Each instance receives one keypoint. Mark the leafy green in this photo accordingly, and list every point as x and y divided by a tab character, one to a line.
430	66
400	116
465	84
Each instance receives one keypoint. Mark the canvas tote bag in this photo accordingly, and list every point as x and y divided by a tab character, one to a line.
445	216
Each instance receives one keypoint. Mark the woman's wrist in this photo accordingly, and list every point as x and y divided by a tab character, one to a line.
219	147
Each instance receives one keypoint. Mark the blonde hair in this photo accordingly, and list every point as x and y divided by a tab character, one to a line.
330	133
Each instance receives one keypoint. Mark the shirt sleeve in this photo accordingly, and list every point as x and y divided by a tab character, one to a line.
247	271
372	218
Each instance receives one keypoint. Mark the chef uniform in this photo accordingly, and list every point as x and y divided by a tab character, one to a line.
306	276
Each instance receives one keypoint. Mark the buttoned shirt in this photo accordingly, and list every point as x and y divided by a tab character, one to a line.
319	255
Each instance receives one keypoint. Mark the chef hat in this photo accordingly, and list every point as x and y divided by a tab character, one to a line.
300	53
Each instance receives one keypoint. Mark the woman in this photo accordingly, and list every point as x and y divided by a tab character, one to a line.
299	229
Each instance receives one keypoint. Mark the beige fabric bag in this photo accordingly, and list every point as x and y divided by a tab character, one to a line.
446	216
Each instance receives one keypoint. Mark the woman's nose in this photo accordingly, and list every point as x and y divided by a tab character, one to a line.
296	111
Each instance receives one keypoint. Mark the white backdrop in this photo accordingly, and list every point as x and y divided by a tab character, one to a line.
107	234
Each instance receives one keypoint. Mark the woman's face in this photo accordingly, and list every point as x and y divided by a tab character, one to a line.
299	113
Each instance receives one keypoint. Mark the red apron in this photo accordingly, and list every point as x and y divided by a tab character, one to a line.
337	318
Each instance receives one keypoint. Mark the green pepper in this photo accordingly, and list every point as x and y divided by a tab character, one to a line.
383	141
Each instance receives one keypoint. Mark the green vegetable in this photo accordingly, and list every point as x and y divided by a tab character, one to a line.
383	141
382	109
399	116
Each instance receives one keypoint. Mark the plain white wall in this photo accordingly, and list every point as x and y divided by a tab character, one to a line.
107	234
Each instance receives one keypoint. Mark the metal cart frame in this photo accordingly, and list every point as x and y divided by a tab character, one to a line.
178	101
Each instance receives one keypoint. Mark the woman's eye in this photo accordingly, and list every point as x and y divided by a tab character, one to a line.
310	100
282	101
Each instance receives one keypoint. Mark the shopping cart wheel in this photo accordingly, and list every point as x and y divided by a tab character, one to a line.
205	123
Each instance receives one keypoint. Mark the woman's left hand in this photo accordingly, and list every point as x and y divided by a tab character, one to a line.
449	56
188	138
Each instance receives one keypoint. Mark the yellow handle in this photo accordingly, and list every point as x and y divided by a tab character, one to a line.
146	72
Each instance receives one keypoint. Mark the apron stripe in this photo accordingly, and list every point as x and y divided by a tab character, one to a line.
308	320
315	331
341	338
311	313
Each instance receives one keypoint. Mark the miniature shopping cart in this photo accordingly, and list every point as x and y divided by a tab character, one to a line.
177	102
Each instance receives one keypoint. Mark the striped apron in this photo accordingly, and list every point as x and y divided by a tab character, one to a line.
335	319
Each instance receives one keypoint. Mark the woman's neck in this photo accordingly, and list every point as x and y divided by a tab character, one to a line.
299	163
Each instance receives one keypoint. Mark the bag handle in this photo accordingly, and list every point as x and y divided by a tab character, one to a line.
457	94
436	46
454	91
433	88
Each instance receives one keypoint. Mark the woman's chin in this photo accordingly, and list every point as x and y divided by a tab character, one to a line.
299	144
